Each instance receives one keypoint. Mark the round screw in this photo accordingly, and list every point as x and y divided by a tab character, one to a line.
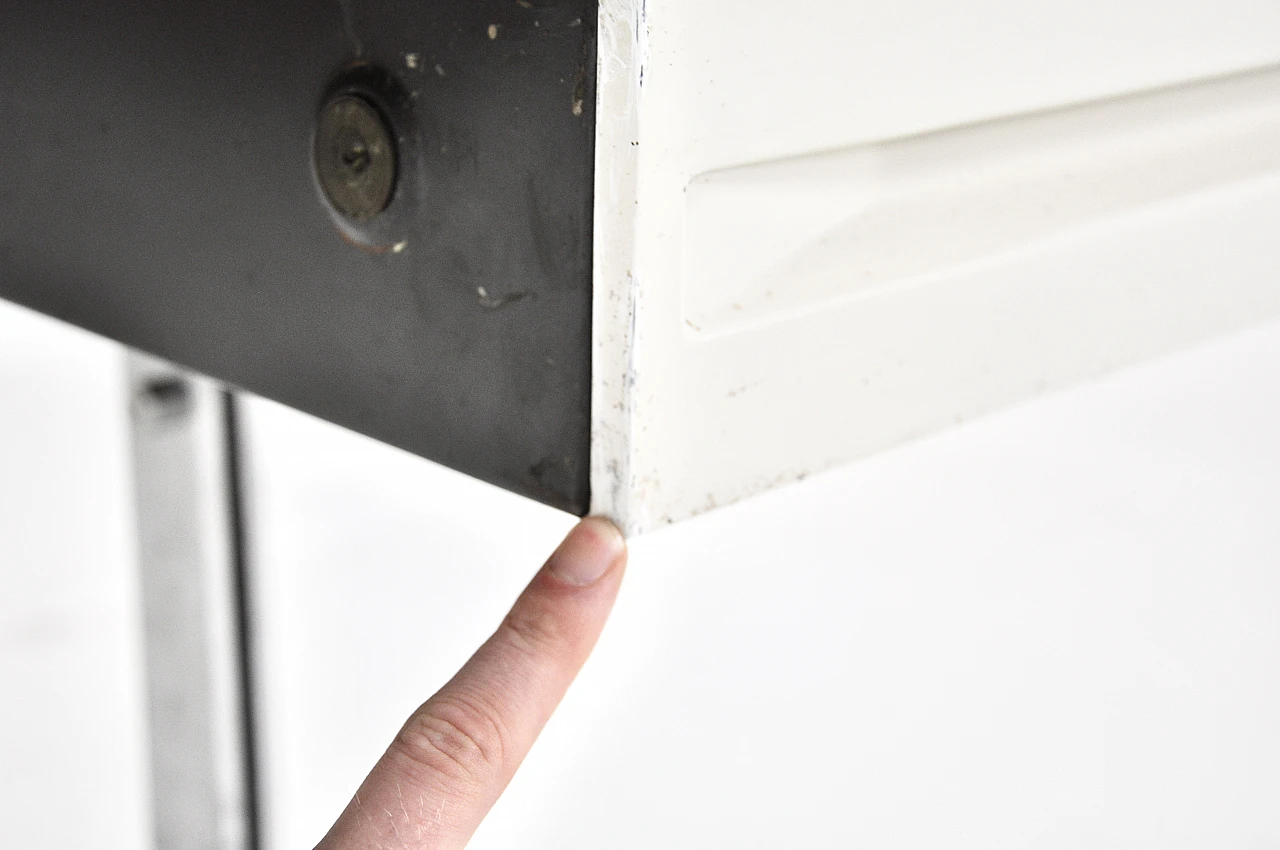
355	157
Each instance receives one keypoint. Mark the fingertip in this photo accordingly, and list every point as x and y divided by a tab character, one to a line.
588	552
606	531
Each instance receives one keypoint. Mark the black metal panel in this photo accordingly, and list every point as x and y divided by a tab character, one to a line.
157	186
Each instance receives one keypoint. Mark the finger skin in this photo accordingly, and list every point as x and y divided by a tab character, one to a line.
456	754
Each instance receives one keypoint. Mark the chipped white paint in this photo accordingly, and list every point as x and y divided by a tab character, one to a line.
616	281
825	231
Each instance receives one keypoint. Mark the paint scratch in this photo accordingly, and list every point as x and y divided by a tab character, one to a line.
497	302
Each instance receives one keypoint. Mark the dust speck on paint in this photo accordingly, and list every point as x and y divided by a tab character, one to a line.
411	61
440	70
493	32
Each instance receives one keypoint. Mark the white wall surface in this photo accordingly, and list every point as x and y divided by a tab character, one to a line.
1054	627
72	737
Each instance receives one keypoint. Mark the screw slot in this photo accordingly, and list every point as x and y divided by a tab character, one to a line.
355	157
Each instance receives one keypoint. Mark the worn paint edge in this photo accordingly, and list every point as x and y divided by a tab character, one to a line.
620	63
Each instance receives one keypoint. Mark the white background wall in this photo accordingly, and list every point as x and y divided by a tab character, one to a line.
72	733
1054	627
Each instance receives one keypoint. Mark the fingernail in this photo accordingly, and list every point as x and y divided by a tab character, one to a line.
587	553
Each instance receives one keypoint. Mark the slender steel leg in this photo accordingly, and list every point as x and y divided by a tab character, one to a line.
189	551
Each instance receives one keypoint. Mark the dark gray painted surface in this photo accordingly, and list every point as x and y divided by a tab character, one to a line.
156	186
